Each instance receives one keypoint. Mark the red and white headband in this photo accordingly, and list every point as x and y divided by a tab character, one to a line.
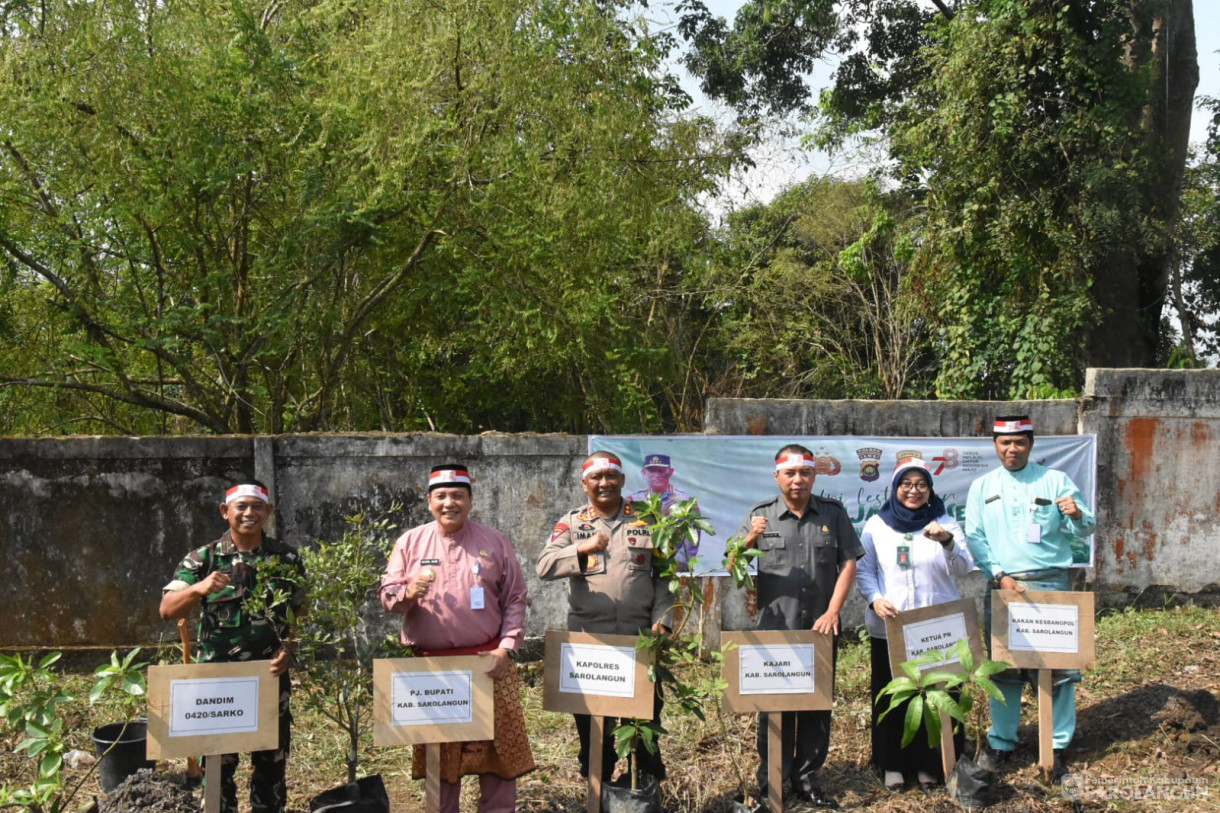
1012	427
794	460
601	464
913	463
247	490
444	477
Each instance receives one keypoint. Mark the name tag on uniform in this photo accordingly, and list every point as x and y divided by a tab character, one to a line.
476	598
1033	533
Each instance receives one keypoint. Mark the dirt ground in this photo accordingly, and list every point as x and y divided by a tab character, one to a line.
147	791
1147	738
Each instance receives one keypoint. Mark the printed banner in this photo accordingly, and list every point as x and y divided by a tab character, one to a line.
728	474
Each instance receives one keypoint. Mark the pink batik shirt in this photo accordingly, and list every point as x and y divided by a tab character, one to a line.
478	596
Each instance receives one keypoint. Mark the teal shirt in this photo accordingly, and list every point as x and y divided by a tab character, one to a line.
1000	509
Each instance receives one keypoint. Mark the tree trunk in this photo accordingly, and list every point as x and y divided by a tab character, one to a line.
1133	295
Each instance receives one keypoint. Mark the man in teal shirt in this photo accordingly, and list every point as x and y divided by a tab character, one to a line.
1021	520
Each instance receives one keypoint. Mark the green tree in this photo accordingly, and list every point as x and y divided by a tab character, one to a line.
274	217
1194	283
814	298
1048	140
1048	210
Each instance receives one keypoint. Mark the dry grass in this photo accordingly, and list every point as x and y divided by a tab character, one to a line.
1150	709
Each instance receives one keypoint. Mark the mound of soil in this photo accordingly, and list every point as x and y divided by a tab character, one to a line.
147	791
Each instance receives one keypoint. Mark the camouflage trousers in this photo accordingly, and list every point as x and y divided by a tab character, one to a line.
268	787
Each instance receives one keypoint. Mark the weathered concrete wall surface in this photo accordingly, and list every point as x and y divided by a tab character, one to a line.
93	527
1159	501
891	419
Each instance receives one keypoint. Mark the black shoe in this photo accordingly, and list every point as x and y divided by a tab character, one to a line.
817	797
993	760
1060	769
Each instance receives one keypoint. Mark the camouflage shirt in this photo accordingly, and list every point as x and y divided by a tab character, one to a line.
227	630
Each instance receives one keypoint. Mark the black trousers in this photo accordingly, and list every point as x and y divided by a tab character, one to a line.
268	787
888	753
647	762
806	741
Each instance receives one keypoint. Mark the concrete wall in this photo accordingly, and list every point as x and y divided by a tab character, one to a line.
93	527
1159	504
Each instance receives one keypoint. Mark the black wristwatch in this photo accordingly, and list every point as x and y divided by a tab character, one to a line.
1000	575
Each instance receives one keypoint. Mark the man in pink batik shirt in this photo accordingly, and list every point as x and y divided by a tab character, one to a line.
460	590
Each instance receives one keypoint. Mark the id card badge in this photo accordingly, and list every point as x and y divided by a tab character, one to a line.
476	598
1033	533
904	555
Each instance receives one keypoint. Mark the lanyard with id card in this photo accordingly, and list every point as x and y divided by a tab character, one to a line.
476	592
1033	531
904	551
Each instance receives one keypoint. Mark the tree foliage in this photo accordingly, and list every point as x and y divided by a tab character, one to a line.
260	216
815	300
1194	283
1048	143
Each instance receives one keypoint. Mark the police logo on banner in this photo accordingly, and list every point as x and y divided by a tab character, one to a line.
870	463
825	464
906	454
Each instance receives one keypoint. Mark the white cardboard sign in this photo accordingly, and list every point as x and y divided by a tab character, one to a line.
591	669
432	698
935	634
212	708
203	706
776	669
1043	628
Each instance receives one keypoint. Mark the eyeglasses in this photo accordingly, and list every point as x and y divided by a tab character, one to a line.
909	485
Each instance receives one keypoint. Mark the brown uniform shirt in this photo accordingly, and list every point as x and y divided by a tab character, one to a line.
615	591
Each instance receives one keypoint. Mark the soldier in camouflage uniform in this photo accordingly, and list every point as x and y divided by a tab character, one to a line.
221	577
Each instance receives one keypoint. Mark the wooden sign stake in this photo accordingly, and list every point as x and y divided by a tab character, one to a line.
597	728
948	754
1046	726
193	771
432	778
211	781
775	762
